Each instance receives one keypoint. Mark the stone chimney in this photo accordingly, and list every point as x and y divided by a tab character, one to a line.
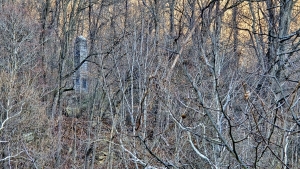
81	75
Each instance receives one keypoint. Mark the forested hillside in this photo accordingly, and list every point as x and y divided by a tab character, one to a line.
159	84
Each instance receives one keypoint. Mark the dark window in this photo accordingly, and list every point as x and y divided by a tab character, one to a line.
77	82
84	83
77	58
